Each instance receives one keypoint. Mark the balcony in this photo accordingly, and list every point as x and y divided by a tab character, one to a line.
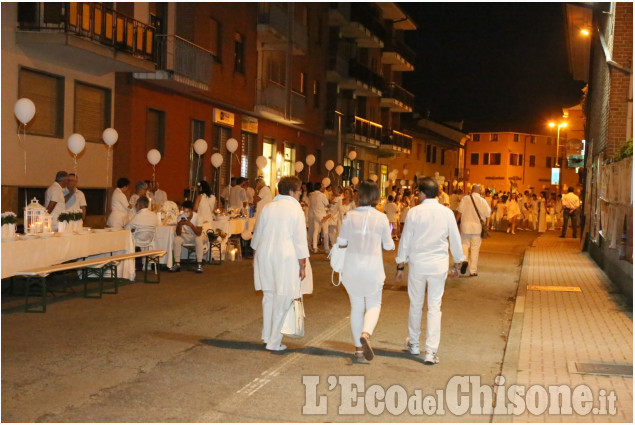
275	28
278	103
182	62
362	81
396	142
87	36
339	14
367	30
336	68
397	99
399	56
362	132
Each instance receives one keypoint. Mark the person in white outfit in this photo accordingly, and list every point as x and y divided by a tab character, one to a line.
189	230
54	197
262	197
73	197
238	195
141	189
318	203
471	225
391	209
204	205
513	212
332	221
120	211
158	196
280	260
424	246
364	232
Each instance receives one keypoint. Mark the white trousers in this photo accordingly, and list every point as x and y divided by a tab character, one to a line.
318	227
416	292
364	314
274	311
471	245
199	241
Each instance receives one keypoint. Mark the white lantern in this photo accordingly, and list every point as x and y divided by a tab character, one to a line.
34	218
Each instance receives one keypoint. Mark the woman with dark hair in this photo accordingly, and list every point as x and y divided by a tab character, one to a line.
120	210
364	232
280	260
205	204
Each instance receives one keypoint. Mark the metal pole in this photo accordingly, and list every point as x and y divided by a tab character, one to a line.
558	163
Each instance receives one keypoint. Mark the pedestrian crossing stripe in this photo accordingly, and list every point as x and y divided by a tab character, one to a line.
554	288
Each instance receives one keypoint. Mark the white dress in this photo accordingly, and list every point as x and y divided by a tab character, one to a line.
206	210
120	213
365	230
280	241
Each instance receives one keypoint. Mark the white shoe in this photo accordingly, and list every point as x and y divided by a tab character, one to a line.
280	348
430	358
508	229
412	347
513	233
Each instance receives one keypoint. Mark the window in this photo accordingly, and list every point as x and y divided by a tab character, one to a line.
215	39
434	154
532	160
92	111
493	137
485	159
289	160
516	137
276	68
299	83
418	151
495	159
248	156
442	156
474	159
428	153
47	93
239	54
476	137
316	94
155	130
269	152
533	140
515	159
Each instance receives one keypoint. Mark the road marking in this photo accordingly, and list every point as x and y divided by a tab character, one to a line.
268	375
554	288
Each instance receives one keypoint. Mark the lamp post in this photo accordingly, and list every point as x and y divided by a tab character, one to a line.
558	164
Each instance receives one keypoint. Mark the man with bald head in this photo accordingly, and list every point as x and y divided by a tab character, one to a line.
471	225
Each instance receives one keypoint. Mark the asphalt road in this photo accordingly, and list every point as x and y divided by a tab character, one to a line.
188	350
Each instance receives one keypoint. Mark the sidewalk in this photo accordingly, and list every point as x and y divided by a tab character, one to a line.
554	331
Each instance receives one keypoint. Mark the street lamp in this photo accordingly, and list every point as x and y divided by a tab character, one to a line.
558	165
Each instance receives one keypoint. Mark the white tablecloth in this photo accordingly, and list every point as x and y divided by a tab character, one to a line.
23	255
165	236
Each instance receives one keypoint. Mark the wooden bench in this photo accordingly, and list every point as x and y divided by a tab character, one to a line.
94	266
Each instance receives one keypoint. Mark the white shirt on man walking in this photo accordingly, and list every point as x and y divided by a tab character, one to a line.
471	225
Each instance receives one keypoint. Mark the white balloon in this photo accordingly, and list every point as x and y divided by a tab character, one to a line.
110	136
355	180
352	155
217	160
310	160
154	156
246	235
232	145
326	182
395	172
386	183
339	170
24	109
392	176
329	165
261	162
405	172
299	166
373	177
402	182
200	146
76	143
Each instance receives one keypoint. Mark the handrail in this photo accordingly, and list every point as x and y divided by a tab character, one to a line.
184	58
395	91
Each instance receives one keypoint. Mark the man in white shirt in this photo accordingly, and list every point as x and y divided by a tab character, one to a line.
424	246
143	221
471	225
391	209
262	198
237	195
570	208
73	197
157	196
317	209
189	231
444	198
54	197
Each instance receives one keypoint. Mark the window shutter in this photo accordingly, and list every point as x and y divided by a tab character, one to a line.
46	92
92	111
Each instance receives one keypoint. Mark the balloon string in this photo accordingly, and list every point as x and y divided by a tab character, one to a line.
75	163
153	172
107	162
308	174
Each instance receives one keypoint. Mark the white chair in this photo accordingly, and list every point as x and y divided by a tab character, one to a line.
143	239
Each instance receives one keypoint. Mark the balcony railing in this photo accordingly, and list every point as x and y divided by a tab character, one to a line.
361	14
398	141
274	16
398	46
184	58
92	21
395	91
365	75
364	128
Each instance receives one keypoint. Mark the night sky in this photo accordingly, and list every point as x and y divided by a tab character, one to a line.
497	66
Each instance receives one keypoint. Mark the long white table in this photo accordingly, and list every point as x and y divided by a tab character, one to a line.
164	239
23	255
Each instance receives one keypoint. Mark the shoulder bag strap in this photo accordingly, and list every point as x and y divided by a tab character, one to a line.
477	213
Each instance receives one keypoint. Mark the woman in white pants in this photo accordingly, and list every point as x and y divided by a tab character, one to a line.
364	231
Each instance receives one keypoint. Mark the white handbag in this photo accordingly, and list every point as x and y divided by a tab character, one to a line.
337	256
294	321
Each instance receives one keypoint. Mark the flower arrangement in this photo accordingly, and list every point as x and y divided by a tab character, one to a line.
215	234
169	212
9	218
70	215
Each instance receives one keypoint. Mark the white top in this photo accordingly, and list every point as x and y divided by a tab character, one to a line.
318	204
119	210
55	193
334	211
187	229
365	230
424	239
144	217
250	192
455	200
470	223
237	196
513	209
77	201
570	201
391	209
206	208
404	213
280	241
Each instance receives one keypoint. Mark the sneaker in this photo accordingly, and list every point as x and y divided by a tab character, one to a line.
508	230
430	358
464	265
175	268
199	268
412	347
